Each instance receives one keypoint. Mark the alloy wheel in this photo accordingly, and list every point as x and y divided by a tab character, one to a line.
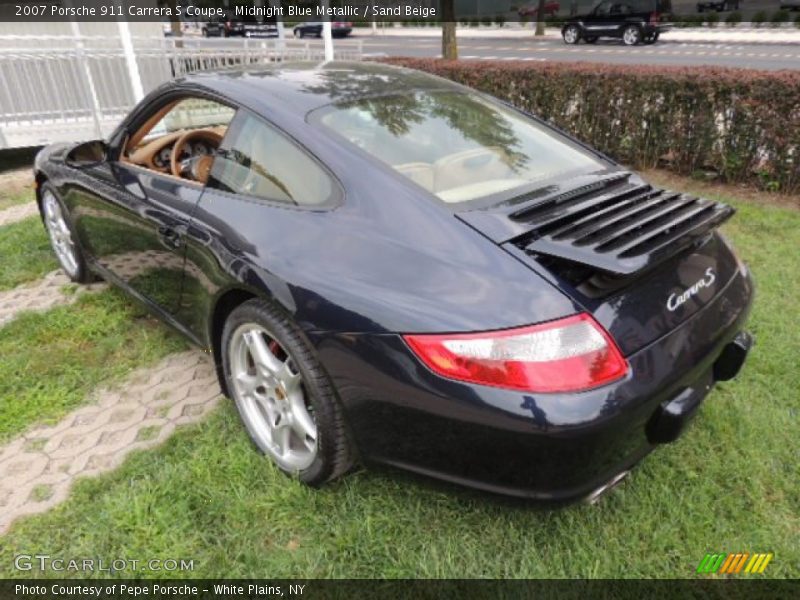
631	36
571	35
60	235
271	397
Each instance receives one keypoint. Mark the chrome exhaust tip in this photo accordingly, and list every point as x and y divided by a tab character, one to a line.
594	497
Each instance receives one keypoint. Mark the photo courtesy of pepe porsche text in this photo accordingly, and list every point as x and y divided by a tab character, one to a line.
175	589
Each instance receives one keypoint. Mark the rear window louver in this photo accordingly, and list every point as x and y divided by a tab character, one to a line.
617	226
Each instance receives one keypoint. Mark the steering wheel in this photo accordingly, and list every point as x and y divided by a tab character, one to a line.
194	167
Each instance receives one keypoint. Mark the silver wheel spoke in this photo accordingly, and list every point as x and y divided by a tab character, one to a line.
291	381
301	420
248	383
261	353
282	436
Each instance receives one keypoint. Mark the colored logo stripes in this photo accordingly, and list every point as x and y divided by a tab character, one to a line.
734	563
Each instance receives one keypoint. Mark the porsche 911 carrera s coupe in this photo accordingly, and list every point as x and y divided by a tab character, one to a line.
389	268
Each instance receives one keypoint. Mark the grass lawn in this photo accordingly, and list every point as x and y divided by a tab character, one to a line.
730	484
9	200
16	187
25	251
52	360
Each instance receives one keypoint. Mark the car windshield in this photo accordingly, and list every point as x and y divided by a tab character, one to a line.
458	146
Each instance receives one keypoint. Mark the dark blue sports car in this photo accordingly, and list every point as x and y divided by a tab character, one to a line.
389	268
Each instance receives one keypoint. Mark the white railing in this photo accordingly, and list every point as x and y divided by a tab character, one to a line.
56	88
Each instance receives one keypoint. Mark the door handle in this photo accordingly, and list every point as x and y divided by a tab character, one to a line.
169	236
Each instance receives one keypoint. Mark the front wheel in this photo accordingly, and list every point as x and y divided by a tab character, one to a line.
572	34
283	395
62	237
632	35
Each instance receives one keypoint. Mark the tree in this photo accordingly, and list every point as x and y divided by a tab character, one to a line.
540	18
449	46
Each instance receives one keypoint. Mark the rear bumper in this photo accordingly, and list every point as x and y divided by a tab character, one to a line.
553	447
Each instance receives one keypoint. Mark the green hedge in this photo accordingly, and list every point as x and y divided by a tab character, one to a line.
742	124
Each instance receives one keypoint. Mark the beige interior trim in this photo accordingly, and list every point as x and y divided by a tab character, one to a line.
149	124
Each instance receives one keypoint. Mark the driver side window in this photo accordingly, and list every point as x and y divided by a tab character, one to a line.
259	161
603	9
178	135
192	113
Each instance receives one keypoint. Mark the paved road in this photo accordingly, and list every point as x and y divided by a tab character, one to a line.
756	56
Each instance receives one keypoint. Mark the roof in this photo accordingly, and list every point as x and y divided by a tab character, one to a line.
300	87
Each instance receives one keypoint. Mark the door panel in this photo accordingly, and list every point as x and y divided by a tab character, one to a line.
135	231
598	22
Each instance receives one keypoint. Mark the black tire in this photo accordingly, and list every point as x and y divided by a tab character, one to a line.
334	454
632	35
81	272
298	33
571	34
590	40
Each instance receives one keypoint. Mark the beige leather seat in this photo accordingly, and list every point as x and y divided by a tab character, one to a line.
419	172
463	168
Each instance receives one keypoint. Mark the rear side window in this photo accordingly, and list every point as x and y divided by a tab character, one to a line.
259	161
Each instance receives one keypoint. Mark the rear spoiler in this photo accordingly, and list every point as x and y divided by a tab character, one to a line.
617	223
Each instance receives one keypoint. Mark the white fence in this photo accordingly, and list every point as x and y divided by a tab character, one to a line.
61	88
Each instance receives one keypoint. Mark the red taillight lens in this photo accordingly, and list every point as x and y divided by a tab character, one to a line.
567	355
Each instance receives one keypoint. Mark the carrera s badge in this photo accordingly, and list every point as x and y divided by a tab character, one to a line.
675	300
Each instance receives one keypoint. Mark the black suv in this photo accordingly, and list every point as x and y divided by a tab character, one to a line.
634	21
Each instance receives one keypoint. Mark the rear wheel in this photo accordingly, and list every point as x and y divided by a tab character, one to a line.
632	35
572	34
62	237
283	396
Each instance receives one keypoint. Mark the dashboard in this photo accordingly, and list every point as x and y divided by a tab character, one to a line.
163	157
156	154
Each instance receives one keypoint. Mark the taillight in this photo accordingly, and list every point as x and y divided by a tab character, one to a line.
566	355
654	17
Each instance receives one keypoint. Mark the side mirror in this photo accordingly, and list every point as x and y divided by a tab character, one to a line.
87	154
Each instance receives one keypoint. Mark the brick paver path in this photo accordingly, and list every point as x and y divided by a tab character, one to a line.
38	468
40	295
17	213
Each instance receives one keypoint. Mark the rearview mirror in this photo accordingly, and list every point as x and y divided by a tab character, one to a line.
88	154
